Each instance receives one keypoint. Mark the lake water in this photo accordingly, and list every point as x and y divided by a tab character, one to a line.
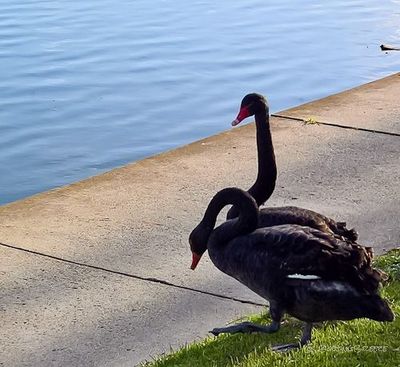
86	86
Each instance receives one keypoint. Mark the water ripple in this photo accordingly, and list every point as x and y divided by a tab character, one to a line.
88	86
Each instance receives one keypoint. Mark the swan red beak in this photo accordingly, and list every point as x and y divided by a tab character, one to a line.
243	113
195	260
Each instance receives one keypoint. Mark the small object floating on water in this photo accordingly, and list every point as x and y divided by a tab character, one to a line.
389	48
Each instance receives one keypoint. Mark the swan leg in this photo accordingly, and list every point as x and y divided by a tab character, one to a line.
276	313
247	328
305	339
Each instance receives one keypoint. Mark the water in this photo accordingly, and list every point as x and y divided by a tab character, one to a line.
86	86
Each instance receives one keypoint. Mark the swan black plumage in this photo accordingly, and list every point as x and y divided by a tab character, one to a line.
255	104
300	270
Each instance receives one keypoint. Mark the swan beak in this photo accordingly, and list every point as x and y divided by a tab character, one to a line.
195	260
243	113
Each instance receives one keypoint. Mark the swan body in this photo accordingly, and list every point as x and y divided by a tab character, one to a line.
272	216
255	104
337	281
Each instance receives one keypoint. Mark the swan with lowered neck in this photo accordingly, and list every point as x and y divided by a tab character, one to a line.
301	271
255	104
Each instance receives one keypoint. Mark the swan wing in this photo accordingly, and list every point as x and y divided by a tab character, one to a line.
293	215
294	249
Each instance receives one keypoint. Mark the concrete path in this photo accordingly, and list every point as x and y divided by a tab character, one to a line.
97	273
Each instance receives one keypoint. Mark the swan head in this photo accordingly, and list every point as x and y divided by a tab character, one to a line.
198	243
251	104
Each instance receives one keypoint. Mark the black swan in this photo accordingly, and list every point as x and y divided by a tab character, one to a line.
263	187
301	271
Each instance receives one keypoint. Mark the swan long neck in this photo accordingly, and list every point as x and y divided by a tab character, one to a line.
264	185
245	223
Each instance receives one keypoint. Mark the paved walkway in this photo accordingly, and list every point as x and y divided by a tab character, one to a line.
97	273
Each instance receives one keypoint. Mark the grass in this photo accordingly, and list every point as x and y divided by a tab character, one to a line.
359	342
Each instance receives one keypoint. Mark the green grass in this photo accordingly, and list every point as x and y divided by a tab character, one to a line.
359	342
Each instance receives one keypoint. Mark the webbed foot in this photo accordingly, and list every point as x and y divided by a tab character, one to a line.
305	339
283	348
247	328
